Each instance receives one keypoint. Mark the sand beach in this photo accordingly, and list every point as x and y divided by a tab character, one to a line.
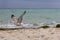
31	34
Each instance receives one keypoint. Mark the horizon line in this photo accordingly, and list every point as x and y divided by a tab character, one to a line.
29	8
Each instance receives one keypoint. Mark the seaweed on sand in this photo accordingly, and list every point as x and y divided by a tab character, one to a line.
58	26
45	26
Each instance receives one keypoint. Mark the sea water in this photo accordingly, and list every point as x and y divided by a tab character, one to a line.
32	15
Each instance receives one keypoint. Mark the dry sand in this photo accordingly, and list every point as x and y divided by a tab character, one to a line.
31	34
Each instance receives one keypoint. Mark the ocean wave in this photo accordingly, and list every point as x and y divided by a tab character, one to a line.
32	25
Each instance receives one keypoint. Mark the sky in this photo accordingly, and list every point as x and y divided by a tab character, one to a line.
29	3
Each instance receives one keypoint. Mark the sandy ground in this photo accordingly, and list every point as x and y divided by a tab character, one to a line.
31	34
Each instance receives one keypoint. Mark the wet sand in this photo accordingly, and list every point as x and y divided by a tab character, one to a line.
31	34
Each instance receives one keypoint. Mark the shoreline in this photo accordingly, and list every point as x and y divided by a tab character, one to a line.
34	25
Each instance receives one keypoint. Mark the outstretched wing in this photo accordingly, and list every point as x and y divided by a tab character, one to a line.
21	17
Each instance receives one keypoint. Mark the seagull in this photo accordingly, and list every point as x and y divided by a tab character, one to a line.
19	20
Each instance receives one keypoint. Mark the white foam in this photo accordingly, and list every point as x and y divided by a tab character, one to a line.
10	25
